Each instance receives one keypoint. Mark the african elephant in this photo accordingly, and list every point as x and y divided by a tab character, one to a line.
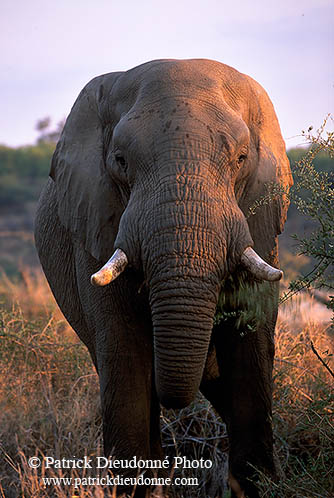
161	164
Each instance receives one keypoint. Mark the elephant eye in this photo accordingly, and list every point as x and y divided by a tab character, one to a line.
120	159
242	158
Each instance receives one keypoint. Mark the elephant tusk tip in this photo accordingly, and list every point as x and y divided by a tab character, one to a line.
258	267
274	276
279	275
101	278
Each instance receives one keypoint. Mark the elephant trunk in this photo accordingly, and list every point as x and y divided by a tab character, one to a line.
184	261
182	316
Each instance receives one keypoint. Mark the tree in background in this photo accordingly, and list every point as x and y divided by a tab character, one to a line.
47	134
23	170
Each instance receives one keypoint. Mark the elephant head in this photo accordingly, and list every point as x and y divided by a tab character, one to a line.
161	163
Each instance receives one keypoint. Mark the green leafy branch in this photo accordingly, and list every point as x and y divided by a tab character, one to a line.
313	196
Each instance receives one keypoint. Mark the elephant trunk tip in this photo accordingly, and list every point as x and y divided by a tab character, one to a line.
170	401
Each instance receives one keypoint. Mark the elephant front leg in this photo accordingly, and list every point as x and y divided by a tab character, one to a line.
125	393
130	410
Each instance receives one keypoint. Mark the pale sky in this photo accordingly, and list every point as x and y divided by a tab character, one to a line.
51	49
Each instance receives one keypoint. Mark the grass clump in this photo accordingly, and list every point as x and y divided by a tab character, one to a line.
303	414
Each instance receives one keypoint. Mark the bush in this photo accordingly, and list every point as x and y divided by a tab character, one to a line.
23	171
313	196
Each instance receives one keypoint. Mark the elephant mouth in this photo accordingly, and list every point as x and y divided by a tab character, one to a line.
249	260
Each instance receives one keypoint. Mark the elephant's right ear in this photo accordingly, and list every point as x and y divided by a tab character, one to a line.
89	203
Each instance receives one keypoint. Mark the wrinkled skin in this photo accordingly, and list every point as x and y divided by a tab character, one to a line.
163	161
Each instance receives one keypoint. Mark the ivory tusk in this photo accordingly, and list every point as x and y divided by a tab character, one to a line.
111	270
259	268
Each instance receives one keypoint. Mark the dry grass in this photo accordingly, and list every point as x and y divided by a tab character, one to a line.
32	296
303	404
49	405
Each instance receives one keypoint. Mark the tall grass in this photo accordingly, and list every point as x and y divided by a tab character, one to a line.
49	405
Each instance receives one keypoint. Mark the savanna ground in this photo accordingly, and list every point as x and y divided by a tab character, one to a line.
50	404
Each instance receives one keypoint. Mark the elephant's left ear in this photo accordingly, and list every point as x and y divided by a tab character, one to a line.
270	167
89	203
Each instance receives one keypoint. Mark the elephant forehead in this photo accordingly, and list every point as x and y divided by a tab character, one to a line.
185	84
213	89
166	79
190	104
